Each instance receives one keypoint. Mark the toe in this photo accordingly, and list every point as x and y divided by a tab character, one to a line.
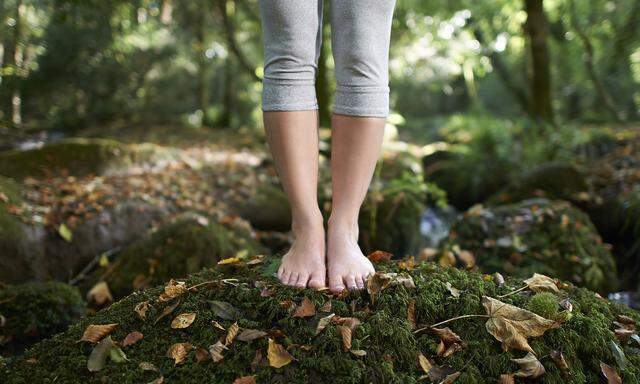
336	285
360	282
316	281
292	279
284	276
350	282
302	280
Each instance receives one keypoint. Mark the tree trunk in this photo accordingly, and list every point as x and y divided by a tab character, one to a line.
201	60
232	44
537	29
11	99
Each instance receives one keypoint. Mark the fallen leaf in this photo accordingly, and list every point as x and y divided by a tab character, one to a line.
100	294
172	289
216	351
132	338
277	355
467	259
425	364
94	333
454	291
561	363
623	334
506	378
257	358
146	366
498	279
183	320
178	352
618	354
323	322
427	254
231	334
167	311
65	233
512	325
451	378
411	313
358	352
379	281
305	309
98	357
380	256
250	335
447	259
141	309
345	332
566	305
530	366
449	341
407	264
626	320
541	283
610	374
351	322
245	380
230	260
202	355
224	310
326	307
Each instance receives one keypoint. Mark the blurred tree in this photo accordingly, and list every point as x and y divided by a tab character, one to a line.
537	30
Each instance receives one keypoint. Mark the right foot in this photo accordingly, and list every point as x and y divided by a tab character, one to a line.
304	265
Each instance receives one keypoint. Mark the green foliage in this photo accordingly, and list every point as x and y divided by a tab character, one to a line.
538	235
385	334
544	304
34	311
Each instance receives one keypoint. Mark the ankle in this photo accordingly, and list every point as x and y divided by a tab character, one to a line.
347	226
308	222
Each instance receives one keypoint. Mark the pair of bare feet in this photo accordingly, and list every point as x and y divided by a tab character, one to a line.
311	260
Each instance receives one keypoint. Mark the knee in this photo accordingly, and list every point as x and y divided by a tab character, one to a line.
289	81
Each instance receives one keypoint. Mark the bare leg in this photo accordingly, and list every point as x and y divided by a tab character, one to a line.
355	147
293	140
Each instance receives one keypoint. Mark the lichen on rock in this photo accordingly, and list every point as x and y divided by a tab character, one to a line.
385	341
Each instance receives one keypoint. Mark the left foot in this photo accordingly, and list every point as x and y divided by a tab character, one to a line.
348	267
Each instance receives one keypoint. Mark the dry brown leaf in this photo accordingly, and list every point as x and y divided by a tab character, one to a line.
449	341
379	281
183	320
251	334
351	322
345	332
305	309
326	307
256	360
467	258
408	264
217	325
626	320
323	322
358	352
167	311
216	351
245	380
142	308
94	333
506	378
231	334
100	294
561	363
132	338
277	355
425	364
624	334
610	374
202	355
566	305
451	378
411	313
512	325
172	289
447	259
530	367
146	366
380	256
454	291
541	283
178	352
427	254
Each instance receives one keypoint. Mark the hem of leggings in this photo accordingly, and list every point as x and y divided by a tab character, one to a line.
360	112
287	108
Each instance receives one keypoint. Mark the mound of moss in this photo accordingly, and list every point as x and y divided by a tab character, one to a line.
76	156
536	235
174	250
288	343
33	311
266	209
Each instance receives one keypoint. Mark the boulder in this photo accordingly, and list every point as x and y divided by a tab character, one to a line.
536	235
288	335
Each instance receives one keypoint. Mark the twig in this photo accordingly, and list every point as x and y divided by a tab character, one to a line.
446	321
92	264
513	292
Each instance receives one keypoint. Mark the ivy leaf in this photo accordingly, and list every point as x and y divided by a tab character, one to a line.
530	367
512	325
277	355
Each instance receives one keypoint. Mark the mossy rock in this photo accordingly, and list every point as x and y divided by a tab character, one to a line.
174	250
267	209
536	235
554	180
385	334
76	157
34	311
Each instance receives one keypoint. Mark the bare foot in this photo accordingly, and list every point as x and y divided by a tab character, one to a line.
348	266
303	266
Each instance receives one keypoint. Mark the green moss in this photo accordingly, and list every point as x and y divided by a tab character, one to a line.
267	209
174	250
385	334
544	304
34	311
538	235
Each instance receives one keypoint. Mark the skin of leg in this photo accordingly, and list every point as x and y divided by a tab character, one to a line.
293	140
355	148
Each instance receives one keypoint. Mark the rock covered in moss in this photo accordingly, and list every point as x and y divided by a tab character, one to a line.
34	311
304	333
175	250
537	235
267	208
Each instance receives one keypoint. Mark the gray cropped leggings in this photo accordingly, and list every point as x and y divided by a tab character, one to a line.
360	32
